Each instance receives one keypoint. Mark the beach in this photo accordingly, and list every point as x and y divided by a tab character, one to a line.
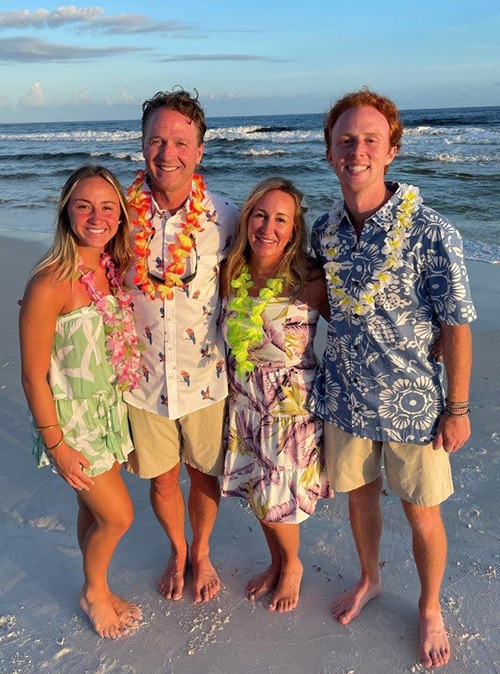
42	629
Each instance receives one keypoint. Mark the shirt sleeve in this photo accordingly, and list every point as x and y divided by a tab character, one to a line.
447	279
316	237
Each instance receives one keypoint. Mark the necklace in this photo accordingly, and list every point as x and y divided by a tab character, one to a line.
119	328
139	200
393	248
244	328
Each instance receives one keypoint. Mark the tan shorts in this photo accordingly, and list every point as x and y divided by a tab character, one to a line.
416	473
160	443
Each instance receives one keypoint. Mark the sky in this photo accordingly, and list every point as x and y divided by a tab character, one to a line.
82	62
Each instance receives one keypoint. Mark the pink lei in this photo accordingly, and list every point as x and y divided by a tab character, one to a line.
121	338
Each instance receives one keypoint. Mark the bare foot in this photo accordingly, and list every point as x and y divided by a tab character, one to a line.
103	616
286	596
206	583
171	582
262	584
348	606
434	644
130	614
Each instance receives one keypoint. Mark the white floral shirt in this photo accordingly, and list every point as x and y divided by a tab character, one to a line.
184	363
377	379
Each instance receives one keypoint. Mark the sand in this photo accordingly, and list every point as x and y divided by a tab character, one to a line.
42	629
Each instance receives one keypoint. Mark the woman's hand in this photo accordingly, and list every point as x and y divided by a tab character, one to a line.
70	464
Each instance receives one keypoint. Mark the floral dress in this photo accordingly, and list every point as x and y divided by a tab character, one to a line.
274	453
89	404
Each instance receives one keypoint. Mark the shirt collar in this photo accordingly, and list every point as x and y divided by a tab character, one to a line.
384	217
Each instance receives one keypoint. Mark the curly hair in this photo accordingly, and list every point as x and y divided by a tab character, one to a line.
63	254
358	99
294	264
180	101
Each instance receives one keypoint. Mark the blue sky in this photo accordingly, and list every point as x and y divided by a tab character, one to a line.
83	62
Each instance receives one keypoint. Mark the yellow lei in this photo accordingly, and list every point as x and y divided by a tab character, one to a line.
393	248
244	328
139	201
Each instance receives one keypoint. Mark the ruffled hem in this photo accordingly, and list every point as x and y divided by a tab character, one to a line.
286	497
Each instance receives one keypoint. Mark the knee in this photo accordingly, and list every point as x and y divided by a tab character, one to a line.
124	522
207	484
119	521
423	520
164	483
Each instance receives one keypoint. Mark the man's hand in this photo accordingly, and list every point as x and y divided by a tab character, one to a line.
452	433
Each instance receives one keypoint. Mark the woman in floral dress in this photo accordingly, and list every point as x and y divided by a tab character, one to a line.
273	297
79	351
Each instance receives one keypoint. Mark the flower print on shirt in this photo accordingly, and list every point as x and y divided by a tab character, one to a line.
378	379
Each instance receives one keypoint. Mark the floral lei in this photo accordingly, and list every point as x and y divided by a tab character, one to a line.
140	201
244	328
394	246
119	327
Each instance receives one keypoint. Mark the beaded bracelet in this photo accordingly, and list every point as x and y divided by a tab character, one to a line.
452	413
46	428
50	449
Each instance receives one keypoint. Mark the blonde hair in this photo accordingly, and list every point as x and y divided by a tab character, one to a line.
63	254
294	265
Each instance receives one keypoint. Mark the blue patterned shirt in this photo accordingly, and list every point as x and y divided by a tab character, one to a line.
377	379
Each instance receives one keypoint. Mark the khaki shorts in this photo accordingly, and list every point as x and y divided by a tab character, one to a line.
160	443
416	473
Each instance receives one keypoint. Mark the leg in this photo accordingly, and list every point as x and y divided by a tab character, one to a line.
366	523
203	504
287	537
85	521
264	583
168	506
130	614
429	549
106	514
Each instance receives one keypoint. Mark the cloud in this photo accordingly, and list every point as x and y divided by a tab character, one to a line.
34	99
5	103
84	99
91	18
34	50
219	57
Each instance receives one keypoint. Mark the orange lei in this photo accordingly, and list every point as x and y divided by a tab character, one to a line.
139	201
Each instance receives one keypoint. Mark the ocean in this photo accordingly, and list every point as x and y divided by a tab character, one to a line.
452	154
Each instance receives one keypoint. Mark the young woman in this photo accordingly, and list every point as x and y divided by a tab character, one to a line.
273	297
79	350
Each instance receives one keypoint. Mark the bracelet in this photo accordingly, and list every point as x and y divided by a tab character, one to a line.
452	413
50	449
46	428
